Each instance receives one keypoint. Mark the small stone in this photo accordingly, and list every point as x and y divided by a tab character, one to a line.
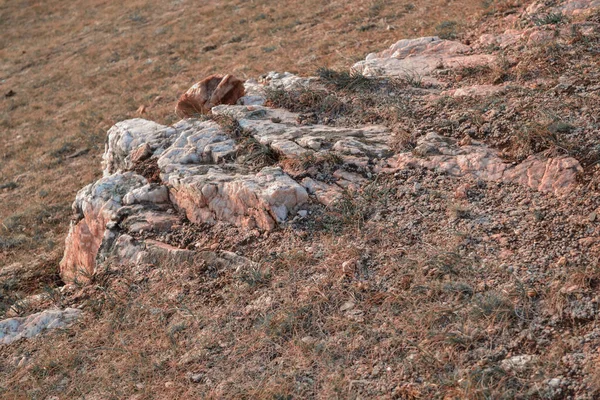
554	382
141	153
349	305
518	363
309	340
169	384
347	266
462	192
466	141
196	378
303	213
592	217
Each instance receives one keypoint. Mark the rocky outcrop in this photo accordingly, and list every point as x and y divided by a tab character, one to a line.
13	329
209	92
203	177
556	175
127	137
204	171
418	58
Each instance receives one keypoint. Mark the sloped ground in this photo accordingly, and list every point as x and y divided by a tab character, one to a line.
419	285
71	69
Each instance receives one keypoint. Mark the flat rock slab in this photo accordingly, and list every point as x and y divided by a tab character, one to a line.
417	58
280	129
26	327
556	175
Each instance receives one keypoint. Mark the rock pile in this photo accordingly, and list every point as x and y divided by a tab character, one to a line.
201	169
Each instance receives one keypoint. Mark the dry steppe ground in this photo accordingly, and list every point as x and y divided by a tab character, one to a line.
78	67
417	286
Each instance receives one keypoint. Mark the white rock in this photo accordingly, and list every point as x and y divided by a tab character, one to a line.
260	200
417	58
26	327
556	175
518	363
126	136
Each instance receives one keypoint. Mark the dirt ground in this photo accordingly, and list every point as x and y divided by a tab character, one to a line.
71	69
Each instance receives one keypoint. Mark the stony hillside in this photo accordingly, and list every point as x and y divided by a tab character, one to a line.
421	224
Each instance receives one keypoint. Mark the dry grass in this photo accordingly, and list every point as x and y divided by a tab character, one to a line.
382	305
397	290
71	69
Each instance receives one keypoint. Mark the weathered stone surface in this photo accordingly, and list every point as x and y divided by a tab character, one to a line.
325	193
557	175
130	251
511	37
133	136
420	57
476	91
369	140
260	200
26	327
256	89
575	7
150	193
198	142
95	206
209	92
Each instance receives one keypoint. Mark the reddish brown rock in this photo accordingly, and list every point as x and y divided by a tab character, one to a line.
209	92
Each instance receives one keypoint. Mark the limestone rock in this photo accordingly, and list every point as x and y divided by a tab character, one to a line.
476	91
420	57
198	142
209	92
260	200
26	327
556	175
95	206
575	7
137	136
363	141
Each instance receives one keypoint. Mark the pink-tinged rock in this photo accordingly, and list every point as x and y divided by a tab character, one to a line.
262	200
209	92
420	57
476	91
326	194
577	7
540	37
94	207
556	175
510	37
